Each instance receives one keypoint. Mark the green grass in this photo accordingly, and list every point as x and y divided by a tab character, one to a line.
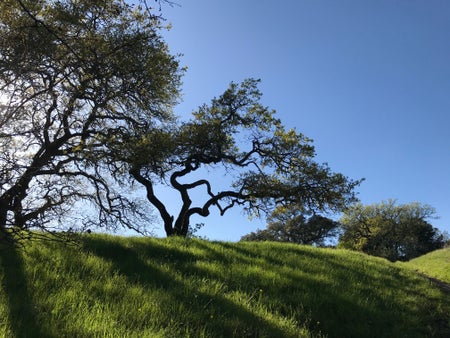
435	264
141	287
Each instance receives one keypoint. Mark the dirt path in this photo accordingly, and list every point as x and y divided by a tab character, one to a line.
443	286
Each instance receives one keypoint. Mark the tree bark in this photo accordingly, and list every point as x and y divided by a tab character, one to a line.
166	217
3	215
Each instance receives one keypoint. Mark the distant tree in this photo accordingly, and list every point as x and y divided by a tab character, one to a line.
74	75
289	224
236	137
395	232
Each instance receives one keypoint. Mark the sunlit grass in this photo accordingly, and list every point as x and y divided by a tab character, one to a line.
434	264
140	287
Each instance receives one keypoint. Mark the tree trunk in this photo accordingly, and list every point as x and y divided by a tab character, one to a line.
168	226
3	217
179	228
3	214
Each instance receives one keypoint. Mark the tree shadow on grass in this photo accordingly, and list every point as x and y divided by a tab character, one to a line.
192	303
337	305
22	311
341	297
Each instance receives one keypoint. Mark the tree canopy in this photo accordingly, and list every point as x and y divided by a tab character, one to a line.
239	138
289	224
86	96
395	232
74	74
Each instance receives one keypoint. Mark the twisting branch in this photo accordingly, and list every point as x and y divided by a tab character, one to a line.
77	79
276	169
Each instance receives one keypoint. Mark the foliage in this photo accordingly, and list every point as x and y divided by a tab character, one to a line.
240	139
288	224
395	232
143	287
73	75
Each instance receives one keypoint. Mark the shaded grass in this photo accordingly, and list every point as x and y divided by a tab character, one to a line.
17	304
141	287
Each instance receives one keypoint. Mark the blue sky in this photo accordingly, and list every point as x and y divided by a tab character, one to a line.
368	81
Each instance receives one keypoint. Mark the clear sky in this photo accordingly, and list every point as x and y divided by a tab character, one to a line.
367	80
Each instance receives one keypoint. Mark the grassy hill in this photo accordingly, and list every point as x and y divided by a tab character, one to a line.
140	287
435	264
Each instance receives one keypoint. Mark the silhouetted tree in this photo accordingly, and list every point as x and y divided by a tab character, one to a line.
73	75
289	224
238	138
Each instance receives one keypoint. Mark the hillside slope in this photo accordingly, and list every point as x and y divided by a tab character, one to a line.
140	287
435	264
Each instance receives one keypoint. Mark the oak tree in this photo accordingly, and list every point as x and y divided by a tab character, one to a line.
245	145
395	232
74	74
289	224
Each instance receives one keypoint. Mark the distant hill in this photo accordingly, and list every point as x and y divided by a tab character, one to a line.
112	286
434	264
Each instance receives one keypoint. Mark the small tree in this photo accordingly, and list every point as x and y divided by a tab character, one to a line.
289	224
73	75
238	138
395	232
